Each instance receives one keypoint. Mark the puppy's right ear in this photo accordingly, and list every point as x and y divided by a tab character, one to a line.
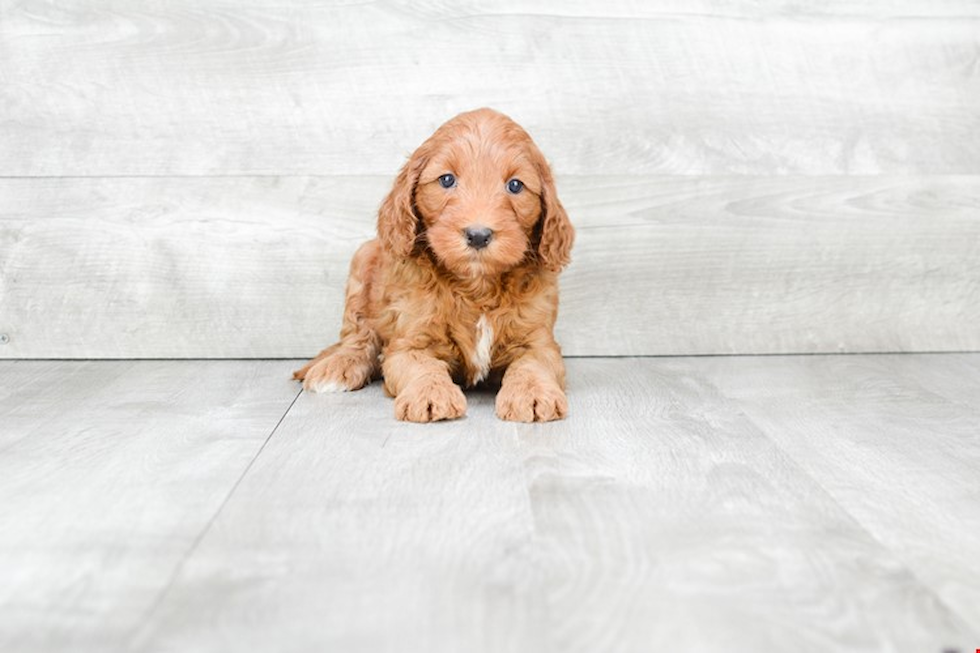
397	221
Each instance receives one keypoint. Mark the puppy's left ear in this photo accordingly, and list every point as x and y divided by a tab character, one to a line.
557	233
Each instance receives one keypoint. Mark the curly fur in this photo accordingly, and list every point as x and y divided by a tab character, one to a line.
428	312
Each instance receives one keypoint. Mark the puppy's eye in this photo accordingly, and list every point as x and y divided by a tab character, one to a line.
515	186
447	181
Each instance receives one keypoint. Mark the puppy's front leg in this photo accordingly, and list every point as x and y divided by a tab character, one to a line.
422	387
533	387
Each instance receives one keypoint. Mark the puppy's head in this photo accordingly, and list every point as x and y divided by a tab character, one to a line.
478	195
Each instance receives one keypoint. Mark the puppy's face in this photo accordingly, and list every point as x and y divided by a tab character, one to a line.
479	196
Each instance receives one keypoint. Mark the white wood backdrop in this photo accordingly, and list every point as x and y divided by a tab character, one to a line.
189	178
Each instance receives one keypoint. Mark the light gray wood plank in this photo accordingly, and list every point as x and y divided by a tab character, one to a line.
255	267
177	267
365	534
109	473
678	525
891	438
77	385
713	87
657	517
955	377
777	265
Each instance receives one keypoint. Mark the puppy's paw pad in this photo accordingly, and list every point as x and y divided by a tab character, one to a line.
526	402
430	402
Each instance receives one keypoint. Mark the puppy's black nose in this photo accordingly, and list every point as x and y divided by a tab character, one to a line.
478	237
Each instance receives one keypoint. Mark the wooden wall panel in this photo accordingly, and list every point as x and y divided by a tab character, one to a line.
111	87
190	178
255	267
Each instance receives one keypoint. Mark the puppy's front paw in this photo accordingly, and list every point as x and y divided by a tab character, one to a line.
529	401
338	372
430	401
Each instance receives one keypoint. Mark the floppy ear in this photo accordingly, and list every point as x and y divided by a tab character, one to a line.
557	233
397	221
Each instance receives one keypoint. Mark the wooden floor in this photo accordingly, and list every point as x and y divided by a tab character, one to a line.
756	504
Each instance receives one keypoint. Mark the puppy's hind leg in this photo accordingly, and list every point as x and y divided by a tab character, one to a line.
351	363
348	365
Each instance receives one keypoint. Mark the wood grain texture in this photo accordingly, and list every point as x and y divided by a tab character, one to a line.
366	534
295	87
109	471
741	504
893	439
657	517
255	267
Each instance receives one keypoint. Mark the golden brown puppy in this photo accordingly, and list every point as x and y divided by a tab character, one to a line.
462	280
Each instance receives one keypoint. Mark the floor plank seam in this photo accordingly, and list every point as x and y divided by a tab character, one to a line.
133	637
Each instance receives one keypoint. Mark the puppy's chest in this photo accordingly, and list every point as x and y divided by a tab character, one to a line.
478	339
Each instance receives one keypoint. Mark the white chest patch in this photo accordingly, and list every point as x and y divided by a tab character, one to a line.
481	355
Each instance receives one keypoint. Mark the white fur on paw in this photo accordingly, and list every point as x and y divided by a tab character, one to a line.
328	386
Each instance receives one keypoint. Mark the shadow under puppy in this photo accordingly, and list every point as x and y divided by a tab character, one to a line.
461	282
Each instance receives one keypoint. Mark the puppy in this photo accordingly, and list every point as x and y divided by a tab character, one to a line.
461	282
